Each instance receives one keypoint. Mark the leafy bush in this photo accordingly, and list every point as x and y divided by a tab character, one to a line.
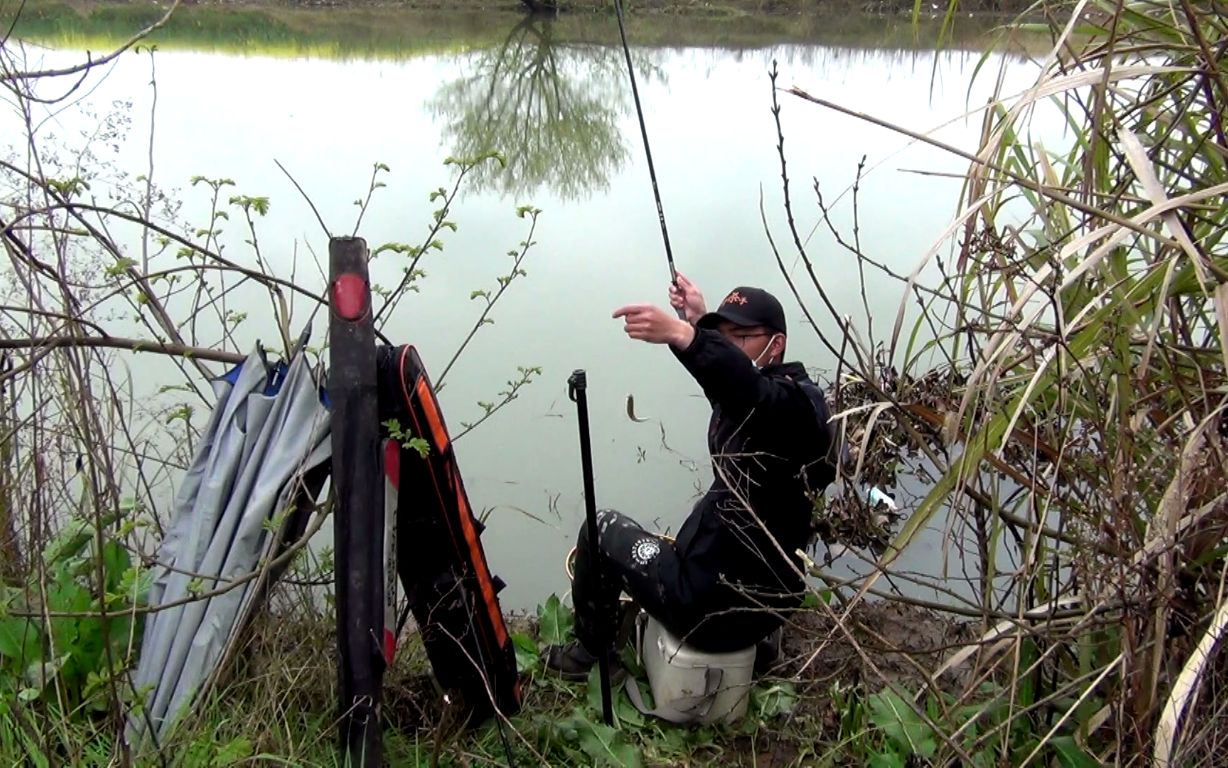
72	630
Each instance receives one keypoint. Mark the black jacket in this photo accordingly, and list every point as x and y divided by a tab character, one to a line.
771	446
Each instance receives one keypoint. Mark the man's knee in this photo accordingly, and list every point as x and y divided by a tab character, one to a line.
642	551
605	518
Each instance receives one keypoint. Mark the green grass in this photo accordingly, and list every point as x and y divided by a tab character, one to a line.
394	32
278	705
281	702
353	33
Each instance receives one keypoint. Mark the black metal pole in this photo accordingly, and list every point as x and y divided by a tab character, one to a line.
577	385
358	511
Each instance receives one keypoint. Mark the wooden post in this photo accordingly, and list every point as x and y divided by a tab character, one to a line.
358	511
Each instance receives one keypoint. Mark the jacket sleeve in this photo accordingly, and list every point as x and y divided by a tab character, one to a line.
730	379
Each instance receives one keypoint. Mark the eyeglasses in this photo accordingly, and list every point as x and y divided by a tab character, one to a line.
741	338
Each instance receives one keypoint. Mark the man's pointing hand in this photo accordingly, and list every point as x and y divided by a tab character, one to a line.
656	326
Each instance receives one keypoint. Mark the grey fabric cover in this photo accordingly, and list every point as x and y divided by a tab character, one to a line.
245	472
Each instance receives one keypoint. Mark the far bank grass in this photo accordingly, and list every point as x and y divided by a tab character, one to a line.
369	31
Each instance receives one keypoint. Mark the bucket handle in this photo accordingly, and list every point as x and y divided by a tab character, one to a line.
684	709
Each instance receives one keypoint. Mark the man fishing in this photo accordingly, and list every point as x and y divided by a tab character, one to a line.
730	576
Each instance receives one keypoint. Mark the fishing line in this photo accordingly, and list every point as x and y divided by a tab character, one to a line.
652	172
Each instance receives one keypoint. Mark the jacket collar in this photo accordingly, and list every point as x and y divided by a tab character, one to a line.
794	370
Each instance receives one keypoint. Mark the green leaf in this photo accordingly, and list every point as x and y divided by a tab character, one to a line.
886	760
594	692
115	562
93	683
629	658
232	752
606	745
418	444
86	652
774	700
626	712
555	622
526	652
120	266
68	543
672	741
182	413
28	694
903	726
135	584
1071	755
19	639
65	594
703	737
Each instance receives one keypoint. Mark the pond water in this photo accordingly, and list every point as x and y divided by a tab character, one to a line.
554	98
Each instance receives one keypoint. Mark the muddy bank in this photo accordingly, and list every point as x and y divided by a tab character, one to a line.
882	643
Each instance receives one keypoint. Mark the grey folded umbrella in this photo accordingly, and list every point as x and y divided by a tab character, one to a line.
248	468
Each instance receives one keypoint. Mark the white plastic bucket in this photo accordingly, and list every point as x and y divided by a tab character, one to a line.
689	686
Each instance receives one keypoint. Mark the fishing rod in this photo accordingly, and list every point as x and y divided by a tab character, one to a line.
652	172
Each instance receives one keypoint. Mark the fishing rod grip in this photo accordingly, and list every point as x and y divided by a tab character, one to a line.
673	280
577	385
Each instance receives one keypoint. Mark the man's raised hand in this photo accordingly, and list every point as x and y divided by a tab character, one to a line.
650	323
687	297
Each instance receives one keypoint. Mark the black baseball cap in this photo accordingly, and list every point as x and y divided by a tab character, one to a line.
747	306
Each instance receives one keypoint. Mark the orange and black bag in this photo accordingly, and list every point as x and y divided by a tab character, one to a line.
439	554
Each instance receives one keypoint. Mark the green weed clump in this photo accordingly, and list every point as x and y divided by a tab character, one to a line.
67	635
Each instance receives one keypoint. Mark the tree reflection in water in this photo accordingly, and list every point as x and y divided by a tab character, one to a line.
550	108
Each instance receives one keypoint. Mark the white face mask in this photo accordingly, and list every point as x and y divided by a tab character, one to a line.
756	361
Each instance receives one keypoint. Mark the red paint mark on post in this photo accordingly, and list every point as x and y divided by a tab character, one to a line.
392	463
390	645
350	296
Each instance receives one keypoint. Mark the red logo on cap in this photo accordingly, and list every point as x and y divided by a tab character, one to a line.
735	298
